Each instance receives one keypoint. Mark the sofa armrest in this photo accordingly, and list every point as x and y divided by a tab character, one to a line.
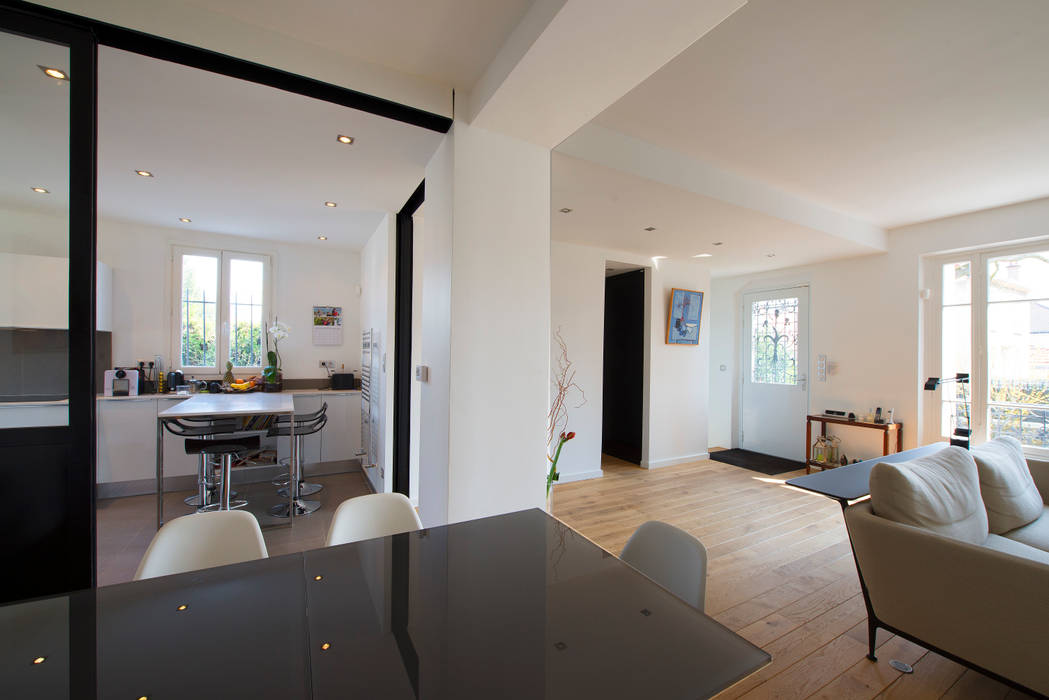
981	605
1040	472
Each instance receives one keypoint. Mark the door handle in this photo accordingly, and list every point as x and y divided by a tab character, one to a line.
802	379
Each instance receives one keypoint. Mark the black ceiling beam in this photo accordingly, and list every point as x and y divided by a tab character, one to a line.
205	59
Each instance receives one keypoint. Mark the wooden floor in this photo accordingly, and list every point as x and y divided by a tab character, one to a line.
127	525
780	573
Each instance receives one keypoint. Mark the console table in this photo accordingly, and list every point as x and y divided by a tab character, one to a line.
887	430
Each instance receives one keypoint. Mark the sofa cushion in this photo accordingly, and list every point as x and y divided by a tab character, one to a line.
940	492
1016	549
1035	533
1008	491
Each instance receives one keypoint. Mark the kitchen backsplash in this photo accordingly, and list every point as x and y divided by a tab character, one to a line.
34	363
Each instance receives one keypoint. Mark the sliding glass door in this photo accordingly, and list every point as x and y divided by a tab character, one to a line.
47	317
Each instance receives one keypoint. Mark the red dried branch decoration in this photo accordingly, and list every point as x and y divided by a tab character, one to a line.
564	385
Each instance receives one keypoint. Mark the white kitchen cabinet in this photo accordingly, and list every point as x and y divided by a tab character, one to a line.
36	292
341	438
127	442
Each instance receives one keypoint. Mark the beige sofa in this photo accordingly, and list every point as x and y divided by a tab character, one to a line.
951	570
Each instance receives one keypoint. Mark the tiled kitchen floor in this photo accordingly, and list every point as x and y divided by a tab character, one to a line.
127	525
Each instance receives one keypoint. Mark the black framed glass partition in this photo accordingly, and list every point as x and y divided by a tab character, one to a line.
47	313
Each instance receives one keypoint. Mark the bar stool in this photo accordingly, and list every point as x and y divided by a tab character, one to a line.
305	488
208	467
226	449
303	428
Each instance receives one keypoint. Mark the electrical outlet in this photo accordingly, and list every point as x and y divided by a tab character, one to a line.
327	364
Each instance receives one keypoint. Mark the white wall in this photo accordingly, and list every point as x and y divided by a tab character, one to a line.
435	330
376	312
488	250
577	309
303	275
675	412
865	316
29	232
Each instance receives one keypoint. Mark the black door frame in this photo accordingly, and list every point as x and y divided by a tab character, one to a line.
402	350
76	567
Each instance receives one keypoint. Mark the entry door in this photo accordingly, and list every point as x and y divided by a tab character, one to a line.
47	305
775	394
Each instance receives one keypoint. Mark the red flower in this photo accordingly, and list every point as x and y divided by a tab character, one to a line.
569	436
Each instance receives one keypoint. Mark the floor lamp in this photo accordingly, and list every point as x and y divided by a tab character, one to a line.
960	437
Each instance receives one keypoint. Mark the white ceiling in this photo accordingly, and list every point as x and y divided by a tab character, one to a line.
34	125
611	209
449	41
245	159
892	111
235	157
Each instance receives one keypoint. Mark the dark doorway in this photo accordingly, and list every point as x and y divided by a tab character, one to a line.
624	366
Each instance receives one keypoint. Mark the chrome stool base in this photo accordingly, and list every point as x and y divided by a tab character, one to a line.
302	507
305	489
233	505
195	500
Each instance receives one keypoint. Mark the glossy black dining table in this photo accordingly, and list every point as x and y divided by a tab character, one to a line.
512	606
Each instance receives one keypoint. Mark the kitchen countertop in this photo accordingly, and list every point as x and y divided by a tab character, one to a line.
178	397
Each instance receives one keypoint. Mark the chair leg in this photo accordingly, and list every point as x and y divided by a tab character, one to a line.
227	477
302	507
872	635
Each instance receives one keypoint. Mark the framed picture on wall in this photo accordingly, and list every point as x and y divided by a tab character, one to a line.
686	308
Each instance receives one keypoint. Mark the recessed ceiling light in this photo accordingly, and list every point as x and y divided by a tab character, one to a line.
659	257
330	204
182	607
770	255
703	255
184	220
143	173
650	228
321	238
40	190
342	138
325	646
317	578
718	243
39	660
565	210
54	72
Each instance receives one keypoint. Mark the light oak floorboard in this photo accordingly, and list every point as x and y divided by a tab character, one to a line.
780	573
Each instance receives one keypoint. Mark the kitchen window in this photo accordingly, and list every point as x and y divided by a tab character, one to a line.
990	318
221	307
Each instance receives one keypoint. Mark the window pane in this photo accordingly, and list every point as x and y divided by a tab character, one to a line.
199	301
957	283
956	350
1028	425
245	313
774	341
1018	276
1018	369
955	414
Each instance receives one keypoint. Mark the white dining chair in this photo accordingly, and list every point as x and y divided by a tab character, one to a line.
671	557
202	540
374	515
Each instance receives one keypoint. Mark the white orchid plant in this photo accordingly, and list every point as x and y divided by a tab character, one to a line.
278	332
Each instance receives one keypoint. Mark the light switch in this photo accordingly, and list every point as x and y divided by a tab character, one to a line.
422	373
821	368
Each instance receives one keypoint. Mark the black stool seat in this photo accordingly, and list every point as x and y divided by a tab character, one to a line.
224	446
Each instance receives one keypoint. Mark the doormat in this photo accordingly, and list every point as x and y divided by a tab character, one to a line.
756	462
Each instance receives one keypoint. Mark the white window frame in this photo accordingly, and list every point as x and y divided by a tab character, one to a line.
222	335
932	357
